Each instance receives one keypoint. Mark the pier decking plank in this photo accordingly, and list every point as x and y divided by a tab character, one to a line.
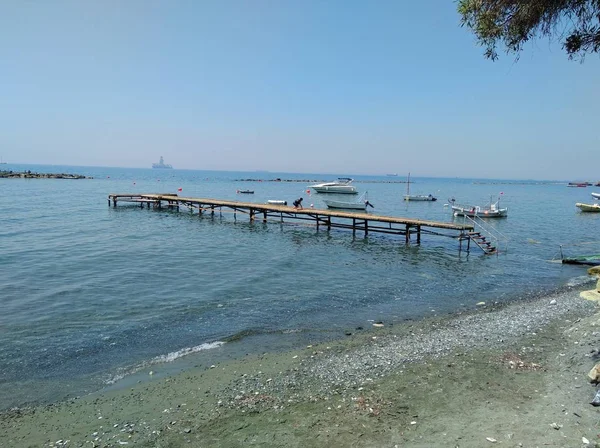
307	211
365	222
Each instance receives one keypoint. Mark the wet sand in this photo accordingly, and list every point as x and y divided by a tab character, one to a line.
510	376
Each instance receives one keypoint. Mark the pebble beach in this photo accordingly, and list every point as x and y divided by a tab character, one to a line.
513	375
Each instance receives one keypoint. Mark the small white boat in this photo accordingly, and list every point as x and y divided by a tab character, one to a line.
588	207
340	186
360	204
416	197
419	197
596	195
276	202
492	210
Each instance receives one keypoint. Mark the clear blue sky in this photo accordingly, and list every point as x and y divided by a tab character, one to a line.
304	86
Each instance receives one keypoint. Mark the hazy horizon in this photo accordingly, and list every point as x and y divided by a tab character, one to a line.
307	87
401	177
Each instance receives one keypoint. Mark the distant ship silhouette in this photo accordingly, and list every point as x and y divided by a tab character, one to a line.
161	164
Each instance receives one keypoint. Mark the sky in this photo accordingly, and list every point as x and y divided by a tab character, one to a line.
336	86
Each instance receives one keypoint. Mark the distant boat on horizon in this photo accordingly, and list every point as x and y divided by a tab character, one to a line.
1	161
392	175
161	164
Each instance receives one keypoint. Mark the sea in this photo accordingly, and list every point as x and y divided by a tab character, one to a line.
95	297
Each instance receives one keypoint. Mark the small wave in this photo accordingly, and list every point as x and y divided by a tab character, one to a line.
170	357
580	280
162	359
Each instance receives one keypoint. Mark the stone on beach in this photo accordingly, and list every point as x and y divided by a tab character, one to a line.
593	294
594	374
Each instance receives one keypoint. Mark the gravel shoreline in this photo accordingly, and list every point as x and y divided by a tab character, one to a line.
375	388
378	354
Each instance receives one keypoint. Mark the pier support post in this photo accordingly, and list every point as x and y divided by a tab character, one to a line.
114	201
329	223
353	226
264	216
418	234
252	214
407	234
366	227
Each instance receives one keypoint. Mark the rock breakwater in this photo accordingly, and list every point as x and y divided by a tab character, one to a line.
31	175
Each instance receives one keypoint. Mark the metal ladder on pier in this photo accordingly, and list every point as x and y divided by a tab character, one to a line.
486	237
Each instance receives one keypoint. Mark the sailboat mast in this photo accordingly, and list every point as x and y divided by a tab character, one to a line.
408	185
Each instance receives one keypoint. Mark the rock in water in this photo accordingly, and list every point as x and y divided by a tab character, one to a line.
595	270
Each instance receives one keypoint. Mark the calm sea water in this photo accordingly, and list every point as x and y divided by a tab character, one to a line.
94	296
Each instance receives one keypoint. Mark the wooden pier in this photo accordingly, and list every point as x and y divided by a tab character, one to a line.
362	222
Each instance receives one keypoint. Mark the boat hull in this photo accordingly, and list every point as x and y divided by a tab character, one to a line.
338	189
413	197
596	195
345	205
588	260
479	213
588	208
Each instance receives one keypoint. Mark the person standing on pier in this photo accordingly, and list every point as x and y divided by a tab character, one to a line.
298	203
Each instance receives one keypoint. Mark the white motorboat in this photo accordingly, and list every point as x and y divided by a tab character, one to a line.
492	210
596	195
588	207
276	202
340	186
416	197
360	204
